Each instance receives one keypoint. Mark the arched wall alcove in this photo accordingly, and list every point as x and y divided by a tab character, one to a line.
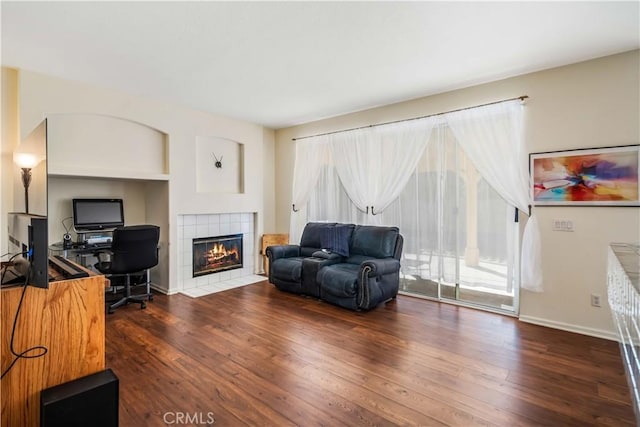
101	145
102	156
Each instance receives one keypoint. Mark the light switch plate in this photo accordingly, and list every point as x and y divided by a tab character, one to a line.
562	225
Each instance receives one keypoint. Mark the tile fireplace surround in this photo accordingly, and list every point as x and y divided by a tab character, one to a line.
210	225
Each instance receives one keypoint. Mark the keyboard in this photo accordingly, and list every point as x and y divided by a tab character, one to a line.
105	245
66	268
94	246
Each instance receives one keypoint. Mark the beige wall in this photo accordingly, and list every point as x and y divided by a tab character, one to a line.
269	183
10	138
41	96
589	104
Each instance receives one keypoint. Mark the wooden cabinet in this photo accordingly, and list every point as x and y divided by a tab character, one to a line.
69	320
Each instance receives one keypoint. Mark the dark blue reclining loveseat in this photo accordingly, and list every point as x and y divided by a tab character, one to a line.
352	266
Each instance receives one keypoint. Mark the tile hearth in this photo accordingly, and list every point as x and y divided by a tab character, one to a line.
222	286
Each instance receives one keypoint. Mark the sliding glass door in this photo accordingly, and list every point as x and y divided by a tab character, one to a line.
459	241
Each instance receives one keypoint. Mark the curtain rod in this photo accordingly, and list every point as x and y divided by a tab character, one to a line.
521	98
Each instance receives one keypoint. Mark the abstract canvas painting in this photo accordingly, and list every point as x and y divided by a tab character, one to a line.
589	177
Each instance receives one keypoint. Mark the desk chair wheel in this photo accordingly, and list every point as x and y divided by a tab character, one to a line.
111	308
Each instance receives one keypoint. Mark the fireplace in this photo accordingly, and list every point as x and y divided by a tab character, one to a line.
215	254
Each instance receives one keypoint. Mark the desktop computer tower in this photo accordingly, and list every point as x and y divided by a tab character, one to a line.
87	401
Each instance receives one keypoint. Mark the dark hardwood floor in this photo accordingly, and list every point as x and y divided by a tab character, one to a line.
258	356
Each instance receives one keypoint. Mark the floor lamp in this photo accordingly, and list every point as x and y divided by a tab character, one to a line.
26	162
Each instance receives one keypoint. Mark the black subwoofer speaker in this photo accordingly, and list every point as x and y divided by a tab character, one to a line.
87	401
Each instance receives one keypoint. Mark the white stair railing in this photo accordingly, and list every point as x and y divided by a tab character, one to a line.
623	291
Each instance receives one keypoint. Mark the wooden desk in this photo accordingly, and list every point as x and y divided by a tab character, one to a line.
69	320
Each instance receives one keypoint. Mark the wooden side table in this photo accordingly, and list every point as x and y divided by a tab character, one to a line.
271	240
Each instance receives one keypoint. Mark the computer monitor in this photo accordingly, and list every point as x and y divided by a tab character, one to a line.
97	214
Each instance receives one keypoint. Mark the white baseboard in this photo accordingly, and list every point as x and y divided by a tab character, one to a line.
598	333
162	290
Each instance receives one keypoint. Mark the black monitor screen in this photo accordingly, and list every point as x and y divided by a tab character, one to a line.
97	214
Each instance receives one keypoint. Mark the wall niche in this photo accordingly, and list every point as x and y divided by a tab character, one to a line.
219	165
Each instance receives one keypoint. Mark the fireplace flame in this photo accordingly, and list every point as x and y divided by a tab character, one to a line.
218	252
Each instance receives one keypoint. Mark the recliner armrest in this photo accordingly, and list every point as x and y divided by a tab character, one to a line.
282	251
380	267
377	281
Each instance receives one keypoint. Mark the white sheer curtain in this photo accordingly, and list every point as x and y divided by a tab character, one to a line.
374	164
420	210
371	167
311	155
329	201
401	148
491	136
351	152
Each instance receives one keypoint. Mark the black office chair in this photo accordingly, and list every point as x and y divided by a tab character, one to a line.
134	250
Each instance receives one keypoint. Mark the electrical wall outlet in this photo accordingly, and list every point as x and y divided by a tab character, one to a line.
595	300
562	225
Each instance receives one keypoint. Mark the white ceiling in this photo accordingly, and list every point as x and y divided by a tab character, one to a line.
285	63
